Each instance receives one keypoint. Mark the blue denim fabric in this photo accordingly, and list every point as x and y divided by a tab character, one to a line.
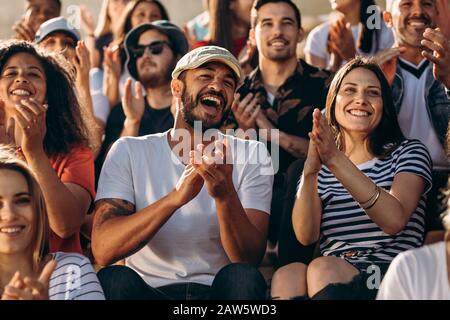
437	101
233	282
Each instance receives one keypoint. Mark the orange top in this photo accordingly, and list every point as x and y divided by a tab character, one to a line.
76	167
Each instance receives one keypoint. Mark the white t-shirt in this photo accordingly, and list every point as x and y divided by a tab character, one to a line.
414	116
418	274
187	248
316	42
74	278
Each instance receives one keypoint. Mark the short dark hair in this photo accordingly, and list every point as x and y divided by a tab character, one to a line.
385	138
259	3
58	2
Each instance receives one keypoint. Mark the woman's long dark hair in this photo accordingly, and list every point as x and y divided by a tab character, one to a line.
65	125
385	138
220	15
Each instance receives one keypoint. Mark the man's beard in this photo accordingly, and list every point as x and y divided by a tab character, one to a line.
187	112
155	80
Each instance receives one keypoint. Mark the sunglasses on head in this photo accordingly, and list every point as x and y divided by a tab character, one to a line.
155	48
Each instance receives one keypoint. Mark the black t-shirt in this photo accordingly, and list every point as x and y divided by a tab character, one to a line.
153	121
293	105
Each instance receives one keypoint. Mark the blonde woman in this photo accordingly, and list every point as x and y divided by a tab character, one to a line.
27	272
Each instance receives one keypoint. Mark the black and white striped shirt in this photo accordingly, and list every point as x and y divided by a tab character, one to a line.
74	278
348	232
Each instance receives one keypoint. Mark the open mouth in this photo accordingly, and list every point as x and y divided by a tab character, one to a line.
419	24
23	93
278	43
211	104
359	113
12	231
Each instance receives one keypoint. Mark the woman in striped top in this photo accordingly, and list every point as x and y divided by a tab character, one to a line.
362	192
26	272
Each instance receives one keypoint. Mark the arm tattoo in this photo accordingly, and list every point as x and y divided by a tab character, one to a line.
107	209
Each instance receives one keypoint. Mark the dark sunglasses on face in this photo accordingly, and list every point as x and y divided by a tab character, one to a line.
155	48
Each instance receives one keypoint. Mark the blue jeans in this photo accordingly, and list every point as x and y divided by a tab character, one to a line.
233	282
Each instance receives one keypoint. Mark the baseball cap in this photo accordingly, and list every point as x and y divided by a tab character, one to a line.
177	39
202	55
58	24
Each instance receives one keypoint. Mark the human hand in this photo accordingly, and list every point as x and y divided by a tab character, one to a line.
323	139
31	118
246	111
111	62
133	106
23	30
82	65
30	288
189	186
215	166
341	40
439	54
87	20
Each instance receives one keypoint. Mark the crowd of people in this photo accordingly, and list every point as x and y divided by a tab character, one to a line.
155	161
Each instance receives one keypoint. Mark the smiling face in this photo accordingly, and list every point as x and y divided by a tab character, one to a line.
276	33
410	18
359	103
22	77
155	69
207	94
60	42
17	216
145	12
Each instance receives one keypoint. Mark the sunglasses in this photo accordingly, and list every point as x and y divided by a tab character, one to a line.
155	48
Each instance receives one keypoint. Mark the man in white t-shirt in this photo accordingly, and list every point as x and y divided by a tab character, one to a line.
420	274
188	215
420	76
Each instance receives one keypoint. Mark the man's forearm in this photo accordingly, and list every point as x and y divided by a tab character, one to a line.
65	213
118	233
242	241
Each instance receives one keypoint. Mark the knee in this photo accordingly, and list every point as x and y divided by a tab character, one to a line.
114	279
240	272
116	273
289	282
239	281
328	270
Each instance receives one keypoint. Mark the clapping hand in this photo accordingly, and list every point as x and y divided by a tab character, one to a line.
215	168
439	54
323	139
30	288
133	106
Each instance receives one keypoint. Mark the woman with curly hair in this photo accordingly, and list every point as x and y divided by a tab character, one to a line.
40	115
